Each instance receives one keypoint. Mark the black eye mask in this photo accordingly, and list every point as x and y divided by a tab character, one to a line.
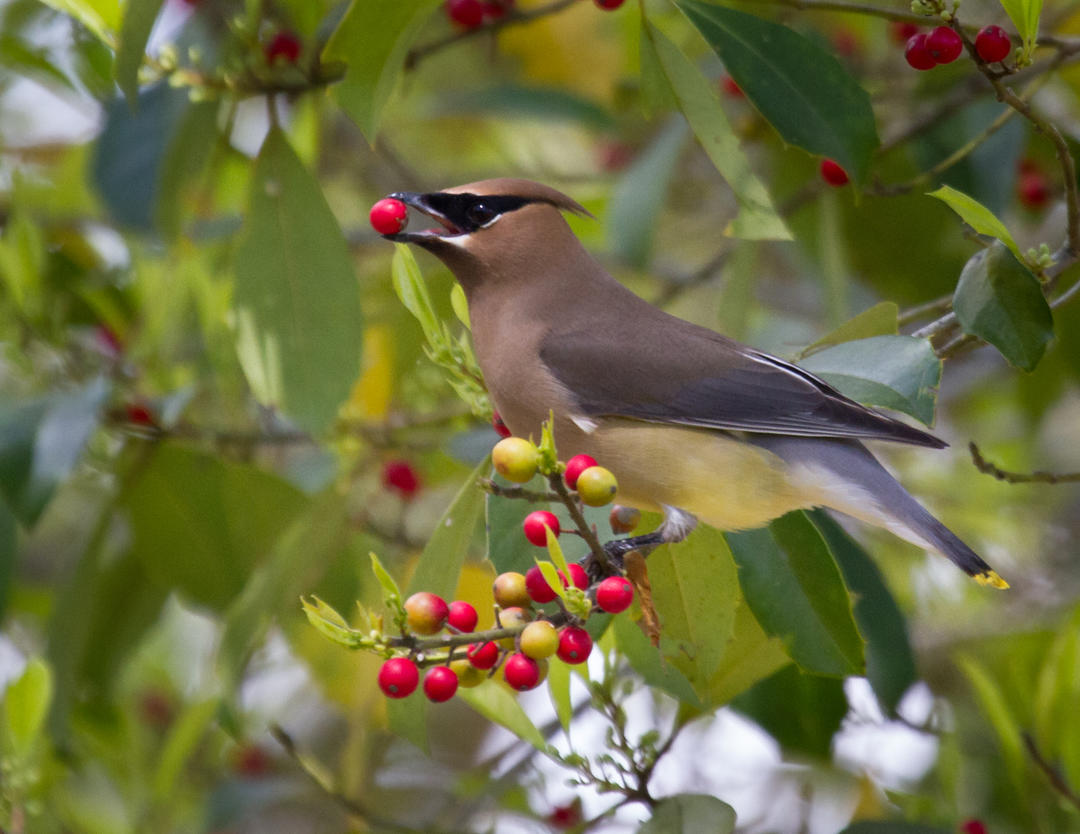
469	212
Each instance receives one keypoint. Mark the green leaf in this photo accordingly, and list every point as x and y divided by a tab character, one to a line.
976	215
439	565
1025	17
386	581
373	39
794	588
558	684
999	300
802	712
298	315
41	442
690	813
800	88
890	660
185	735
139	17
647	661
26	703
496	703
640	194
22	261
200	524
460	305
408	719
99	16
695	592
880	320
751	656
549	104
696	98
413	293
899	372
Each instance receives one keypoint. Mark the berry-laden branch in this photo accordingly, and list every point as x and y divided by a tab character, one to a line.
1037	477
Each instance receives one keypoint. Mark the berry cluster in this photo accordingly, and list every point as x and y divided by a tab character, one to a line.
525	637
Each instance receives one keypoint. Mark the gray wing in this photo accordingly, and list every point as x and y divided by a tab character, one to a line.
671	371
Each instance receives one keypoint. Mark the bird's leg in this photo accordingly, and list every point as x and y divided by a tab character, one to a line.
677	526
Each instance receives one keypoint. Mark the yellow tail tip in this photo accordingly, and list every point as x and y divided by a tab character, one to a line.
992	579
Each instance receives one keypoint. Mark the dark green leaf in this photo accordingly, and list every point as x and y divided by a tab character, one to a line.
794	588
550	104
297	303
690	813
899	372
439	565
799	87
999	300
890	661
130	153
186	157
40	443
640	195
695	591
373	39
696	97
800	711
200	525
139	17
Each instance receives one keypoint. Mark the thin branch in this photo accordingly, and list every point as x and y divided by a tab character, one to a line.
555	480
519	492
1037	477
1052	773
921	311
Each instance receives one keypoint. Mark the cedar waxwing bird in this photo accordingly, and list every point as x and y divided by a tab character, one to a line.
692	424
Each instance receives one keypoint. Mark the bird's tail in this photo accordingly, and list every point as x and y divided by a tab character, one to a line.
844	476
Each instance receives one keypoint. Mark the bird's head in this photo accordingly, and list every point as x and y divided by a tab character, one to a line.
493	226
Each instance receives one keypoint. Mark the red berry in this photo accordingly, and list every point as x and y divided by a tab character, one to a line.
578	575
1033	190
482	655
426	612
467	13
575	644
440	684
139	414
388	216
901	30
917	54
565	816
731	88
833	174
845	43
521	672
156	708
285	45
251	761
575	466
399	476
614	156
624	519
614	594
608	4
398	677
499	426
462	616
944	45
536	525
538	587
973	826
993	44
495	9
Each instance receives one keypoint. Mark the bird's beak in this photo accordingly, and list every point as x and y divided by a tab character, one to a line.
424	203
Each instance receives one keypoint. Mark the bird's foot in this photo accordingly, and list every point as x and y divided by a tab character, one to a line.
677	526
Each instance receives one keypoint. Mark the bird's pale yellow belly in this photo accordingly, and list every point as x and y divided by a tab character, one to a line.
724	482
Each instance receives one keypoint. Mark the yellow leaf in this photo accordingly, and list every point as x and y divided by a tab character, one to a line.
374	388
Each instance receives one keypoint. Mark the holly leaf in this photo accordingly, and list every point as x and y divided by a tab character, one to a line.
999	300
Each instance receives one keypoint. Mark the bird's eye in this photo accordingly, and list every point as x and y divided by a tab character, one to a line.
479	214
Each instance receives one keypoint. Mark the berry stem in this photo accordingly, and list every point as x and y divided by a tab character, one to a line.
493	488
578	517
